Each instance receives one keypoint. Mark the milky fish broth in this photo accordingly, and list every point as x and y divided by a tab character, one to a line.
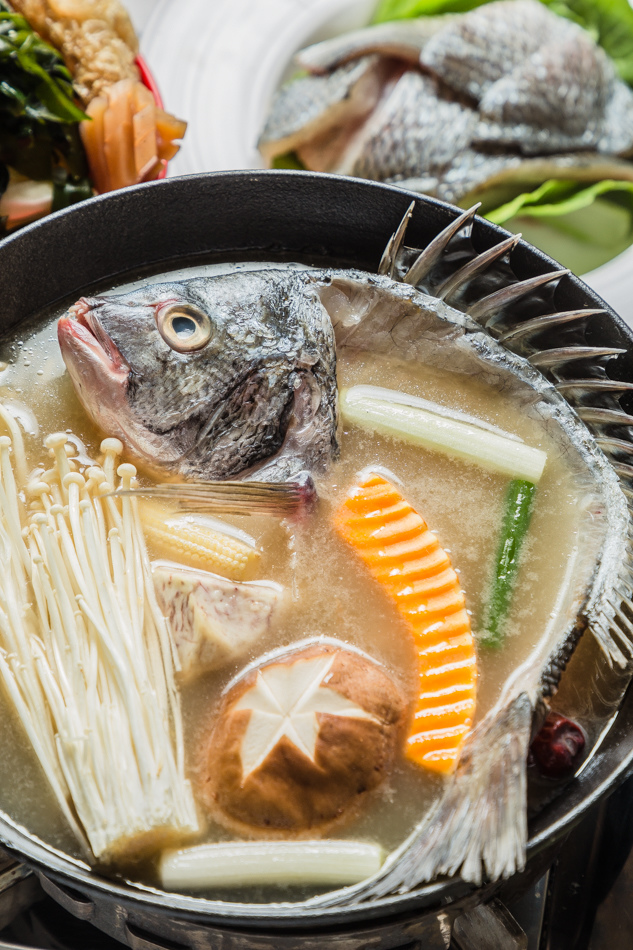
330	670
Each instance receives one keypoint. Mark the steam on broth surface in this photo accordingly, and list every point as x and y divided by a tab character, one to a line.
328	593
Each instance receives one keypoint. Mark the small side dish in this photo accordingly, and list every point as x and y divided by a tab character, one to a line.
75	116
525	106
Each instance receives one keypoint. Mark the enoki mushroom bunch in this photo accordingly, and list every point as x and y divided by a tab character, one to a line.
86	655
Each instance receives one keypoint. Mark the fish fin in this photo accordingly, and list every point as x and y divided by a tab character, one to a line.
615	634
427	258
464	274
394	244
232	497
519	337
480	822
487	309
398	264
479	826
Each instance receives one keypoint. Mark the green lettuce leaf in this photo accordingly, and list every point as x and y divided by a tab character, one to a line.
610	22
581	226
557	197
409	9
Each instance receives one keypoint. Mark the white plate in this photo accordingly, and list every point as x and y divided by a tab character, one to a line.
218	63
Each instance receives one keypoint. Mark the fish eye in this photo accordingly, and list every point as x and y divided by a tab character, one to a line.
183	327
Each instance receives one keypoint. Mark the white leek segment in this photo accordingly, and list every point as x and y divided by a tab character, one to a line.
241	863
432	426
86	656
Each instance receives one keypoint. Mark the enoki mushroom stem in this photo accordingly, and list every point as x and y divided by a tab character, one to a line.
86	658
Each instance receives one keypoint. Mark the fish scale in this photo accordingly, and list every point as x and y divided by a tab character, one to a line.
402	141
314	104
494	87
545	104
478	49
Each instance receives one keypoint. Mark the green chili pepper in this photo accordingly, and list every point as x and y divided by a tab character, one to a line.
516	521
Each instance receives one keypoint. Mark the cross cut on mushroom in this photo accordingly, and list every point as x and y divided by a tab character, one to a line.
286	701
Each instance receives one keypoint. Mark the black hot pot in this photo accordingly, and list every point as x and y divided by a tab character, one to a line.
317	219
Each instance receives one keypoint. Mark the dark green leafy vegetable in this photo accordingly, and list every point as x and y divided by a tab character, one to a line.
68	191
610	22
38	115
516	521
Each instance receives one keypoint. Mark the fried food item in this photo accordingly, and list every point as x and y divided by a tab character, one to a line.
95	37
127	138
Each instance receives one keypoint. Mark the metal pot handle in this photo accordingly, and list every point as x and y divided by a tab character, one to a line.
71	900
19	888
489	927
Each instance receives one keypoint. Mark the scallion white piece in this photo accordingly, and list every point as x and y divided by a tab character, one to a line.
424	423
238	863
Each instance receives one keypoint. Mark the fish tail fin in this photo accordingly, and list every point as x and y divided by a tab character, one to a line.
479	826
614	633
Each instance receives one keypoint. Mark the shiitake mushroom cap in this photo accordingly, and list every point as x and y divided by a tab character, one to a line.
289	792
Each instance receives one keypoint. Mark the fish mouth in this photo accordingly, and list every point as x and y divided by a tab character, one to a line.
95	365
82	331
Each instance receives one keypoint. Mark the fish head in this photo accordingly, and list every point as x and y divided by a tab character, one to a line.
207	377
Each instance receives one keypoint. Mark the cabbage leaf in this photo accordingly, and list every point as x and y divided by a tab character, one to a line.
557	197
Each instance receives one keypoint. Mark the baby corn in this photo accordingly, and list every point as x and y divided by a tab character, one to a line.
194	542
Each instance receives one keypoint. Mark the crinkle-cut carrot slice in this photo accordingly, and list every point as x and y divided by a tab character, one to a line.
433	585
406	558
398	553
413	569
